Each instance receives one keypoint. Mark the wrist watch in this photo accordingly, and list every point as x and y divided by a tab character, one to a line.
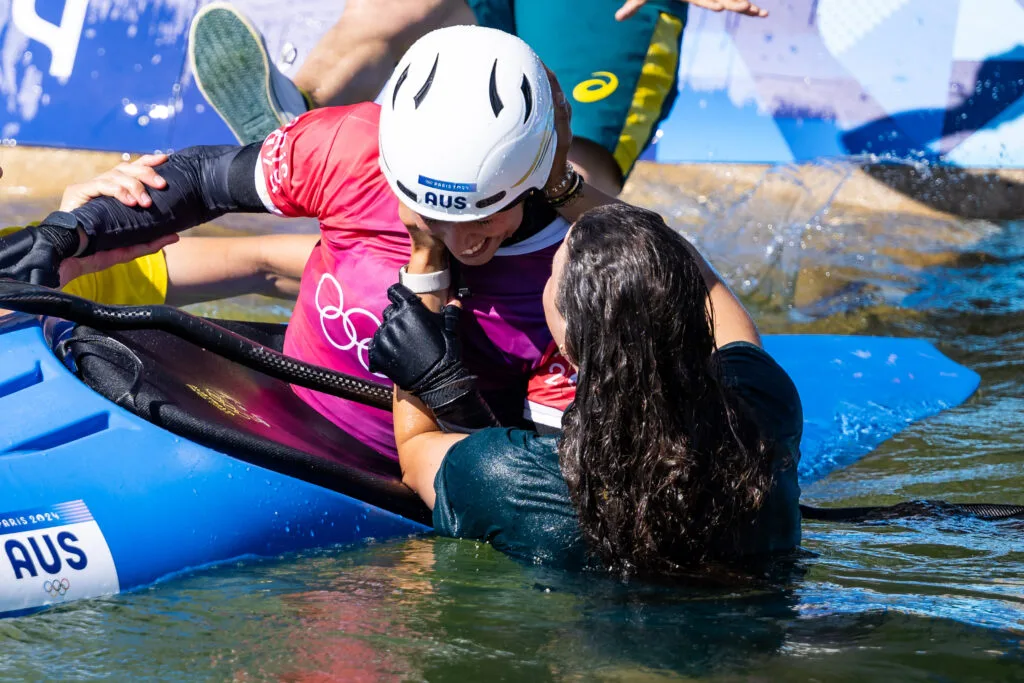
421	283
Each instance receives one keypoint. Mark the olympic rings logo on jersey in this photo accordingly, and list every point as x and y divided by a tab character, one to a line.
330	312
56	587
603	84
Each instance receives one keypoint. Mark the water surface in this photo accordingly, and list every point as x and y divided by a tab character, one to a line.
916	600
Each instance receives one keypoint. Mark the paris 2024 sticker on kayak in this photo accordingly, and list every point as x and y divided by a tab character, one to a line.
53	554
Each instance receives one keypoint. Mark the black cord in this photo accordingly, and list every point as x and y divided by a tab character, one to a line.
914	508
38	300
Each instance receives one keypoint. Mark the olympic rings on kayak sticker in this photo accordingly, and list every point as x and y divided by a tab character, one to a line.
47	550
57	587
601	86
330	312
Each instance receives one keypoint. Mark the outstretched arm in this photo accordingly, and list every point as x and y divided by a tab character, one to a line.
202	183
421	444
198	268
207	268
574	197
419	351
732	322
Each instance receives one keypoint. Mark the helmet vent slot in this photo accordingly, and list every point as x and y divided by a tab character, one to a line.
426	86
401	80
488	201
496	104
527	97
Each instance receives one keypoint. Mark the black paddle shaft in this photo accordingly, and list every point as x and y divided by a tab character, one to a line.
988	512
37	300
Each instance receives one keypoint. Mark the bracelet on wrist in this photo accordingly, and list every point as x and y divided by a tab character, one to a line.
570	194
563	185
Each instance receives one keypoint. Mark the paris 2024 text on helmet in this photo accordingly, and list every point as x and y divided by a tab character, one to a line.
466	124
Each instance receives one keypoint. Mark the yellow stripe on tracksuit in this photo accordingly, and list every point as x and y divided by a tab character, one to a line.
652	89
136	283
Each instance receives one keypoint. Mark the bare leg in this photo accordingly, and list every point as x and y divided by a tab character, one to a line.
354	59
597	165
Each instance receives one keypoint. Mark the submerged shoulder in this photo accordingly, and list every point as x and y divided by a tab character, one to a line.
770	394
490	457
504	486
484	475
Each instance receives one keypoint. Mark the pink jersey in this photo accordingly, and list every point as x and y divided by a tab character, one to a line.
551	389
324	164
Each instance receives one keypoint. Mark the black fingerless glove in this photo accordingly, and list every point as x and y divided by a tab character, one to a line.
34	254
419	351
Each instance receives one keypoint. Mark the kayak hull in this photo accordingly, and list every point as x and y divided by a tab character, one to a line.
156	504
94	500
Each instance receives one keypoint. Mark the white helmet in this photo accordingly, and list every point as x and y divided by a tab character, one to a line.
466	124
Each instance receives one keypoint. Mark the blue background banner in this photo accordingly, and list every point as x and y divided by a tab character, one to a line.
909	79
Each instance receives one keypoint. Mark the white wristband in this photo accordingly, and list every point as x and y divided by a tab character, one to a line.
421	283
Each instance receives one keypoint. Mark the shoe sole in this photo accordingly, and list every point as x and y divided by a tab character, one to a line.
232	70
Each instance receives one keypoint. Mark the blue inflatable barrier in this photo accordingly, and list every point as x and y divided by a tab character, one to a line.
911	79
95	500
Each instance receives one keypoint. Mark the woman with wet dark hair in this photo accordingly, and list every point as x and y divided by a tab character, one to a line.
680	448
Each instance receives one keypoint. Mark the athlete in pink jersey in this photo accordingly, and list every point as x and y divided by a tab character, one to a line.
344	286
466	156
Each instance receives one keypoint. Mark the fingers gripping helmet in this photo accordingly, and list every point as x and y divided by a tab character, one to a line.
466	124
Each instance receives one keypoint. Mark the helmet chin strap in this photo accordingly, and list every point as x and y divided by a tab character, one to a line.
537	215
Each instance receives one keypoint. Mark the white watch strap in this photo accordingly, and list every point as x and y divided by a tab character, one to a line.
421	283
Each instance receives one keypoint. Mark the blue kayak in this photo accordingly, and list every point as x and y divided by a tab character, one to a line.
96	499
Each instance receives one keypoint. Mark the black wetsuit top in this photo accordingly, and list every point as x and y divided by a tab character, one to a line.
504	486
